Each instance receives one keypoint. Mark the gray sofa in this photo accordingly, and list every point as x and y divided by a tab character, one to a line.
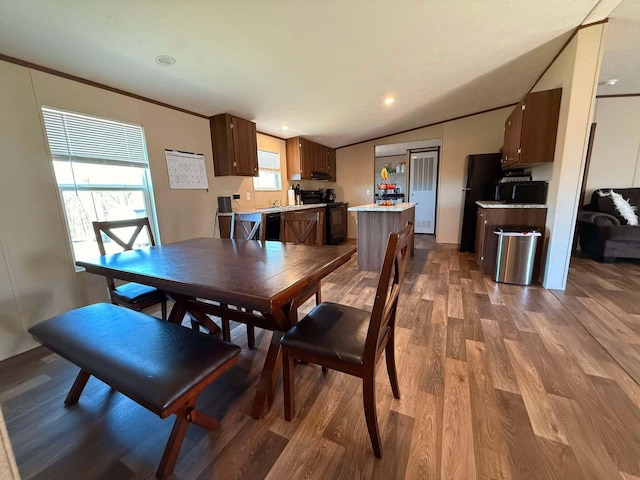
604	234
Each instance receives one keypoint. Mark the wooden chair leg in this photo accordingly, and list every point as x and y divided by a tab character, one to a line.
318	294
251	337
76	389
172	450
324	370
226	330
369	397
389	353
288	384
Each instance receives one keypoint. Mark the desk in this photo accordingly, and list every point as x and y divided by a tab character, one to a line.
273	279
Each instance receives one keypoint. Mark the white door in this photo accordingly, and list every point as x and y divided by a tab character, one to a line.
423	182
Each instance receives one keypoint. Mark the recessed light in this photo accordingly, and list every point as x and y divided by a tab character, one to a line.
609	83
389	101
165	60
285	128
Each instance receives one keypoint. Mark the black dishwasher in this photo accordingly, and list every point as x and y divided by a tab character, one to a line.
273	226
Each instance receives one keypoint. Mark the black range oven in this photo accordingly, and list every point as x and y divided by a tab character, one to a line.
335	215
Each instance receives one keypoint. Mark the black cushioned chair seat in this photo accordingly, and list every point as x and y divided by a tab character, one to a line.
332	331
150	361
135	292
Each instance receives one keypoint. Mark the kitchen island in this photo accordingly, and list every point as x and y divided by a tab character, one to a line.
375	223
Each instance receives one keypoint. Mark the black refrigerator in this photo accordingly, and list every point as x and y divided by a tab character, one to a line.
483	172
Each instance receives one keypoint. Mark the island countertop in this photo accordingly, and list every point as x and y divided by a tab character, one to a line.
374	207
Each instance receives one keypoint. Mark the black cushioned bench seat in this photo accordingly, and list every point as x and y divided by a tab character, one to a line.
160	365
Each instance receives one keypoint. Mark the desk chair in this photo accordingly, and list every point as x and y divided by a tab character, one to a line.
245	226
351	340
131	295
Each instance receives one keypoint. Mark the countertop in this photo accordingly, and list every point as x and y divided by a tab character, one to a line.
374	207
496	204
284	208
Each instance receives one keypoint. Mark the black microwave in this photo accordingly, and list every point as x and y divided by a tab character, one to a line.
523	192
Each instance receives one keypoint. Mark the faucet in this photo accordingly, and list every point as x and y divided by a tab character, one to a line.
276	203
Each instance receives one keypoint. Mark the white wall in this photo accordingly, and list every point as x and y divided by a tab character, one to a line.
483	133
37	275
615	159
576	70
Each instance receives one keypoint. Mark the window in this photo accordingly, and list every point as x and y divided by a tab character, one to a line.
102	172
269	171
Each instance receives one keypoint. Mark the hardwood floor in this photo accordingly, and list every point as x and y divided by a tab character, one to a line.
496	381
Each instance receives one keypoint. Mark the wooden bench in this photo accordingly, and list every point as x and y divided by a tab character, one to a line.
160	365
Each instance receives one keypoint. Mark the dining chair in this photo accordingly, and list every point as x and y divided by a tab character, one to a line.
302	227
352	340
245	226
131	295
248	226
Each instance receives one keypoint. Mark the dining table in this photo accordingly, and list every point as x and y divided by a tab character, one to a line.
258	283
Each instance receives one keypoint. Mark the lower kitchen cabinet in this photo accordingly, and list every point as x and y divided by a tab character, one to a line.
272	220
487	241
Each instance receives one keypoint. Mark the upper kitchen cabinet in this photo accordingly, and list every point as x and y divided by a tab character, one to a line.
530	131
235	146
307	160
332	165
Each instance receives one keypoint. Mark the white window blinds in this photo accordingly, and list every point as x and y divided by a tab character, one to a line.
92	140
268	161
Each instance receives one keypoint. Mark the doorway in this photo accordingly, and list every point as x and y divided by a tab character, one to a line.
419	177
423	184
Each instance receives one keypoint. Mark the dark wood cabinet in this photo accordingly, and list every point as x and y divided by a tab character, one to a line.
307	160
481	226
235	146
332	165
487	241
531	129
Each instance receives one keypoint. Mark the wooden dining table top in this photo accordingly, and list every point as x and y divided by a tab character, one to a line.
272	278
244	272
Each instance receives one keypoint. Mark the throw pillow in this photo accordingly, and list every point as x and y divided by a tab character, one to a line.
623	208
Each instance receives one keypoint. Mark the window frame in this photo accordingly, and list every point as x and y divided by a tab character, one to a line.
279	170
146	187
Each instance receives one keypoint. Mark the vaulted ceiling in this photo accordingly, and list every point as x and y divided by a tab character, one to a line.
323	68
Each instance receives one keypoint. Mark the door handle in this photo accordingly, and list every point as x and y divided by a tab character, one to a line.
466	189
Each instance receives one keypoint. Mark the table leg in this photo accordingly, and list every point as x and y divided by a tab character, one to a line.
273	363
268	378
179	310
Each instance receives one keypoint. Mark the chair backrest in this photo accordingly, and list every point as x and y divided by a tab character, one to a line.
383	315
248	226
302	226
130	229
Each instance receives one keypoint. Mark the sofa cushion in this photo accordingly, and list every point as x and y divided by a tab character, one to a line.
606	205
619	233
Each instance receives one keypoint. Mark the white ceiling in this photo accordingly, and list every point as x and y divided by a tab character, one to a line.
621	58
321	67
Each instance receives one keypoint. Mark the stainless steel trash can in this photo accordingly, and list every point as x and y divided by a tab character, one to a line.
516	254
